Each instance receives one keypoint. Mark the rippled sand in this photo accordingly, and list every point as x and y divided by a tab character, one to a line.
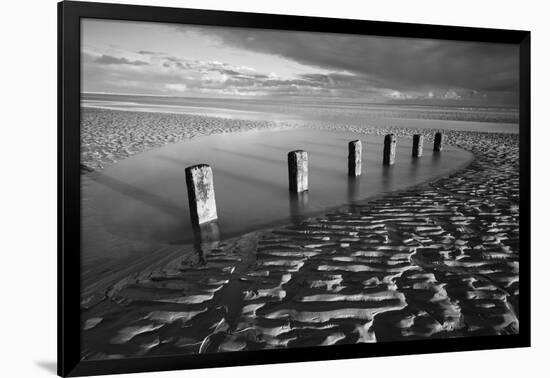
434	261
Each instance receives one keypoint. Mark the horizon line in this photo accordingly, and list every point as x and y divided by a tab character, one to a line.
252	97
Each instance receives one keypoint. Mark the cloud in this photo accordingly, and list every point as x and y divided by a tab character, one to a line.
153	53
402	64
171	74
332	65
108	59
451	95
178	87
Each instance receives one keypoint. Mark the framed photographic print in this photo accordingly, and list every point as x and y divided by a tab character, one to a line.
239	188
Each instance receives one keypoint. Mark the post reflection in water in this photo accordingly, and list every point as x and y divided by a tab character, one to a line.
415	164
298	206
205	238
387	176
436	156
354	188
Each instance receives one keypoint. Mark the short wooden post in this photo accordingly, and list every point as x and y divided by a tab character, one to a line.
297	171
200	191
438	142
390	144
418	145
354	158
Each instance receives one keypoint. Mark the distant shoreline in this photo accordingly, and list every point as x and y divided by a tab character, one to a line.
302	99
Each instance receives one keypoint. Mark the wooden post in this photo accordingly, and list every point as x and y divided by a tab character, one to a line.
354	158
438	142
390	144
200	191
297	171
418	145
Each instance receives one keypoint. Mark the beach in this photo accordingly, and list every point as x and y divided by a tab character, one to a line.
110	136
435	260
118	127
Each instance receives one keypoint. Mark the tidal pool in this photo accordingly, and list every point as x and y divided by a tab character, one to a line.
144	198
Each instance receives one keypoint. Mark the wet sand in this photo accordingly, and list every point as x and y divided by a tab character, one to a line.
436	260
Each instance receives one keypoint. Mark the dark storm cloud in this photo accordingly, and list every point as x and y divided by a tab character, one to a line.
397	63
108	59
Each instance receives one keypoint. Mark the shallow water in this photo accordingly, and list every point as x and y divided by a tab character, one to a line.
184	109
144	198
337	112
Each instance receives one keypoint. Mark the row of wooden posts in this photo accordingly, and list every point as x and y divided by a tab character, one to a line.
200	182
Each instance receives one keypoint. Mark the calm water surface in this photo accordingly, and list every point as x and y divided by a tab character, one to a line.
145	197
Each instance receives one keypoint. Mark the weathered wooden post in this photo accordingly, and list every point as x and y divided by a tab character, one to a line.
438	142
418	145
200	190
297	171
354	158
390	144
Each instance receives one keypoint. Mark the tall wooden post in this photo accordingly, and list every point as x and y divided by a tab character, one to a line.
390	144
418	145
297	171
200	191
354	158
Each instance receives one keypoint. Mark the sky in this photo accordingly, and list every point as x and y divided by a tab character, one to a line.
204	61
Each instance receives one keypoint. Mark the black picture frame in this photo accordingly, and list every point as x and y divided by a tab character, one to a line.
69	15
